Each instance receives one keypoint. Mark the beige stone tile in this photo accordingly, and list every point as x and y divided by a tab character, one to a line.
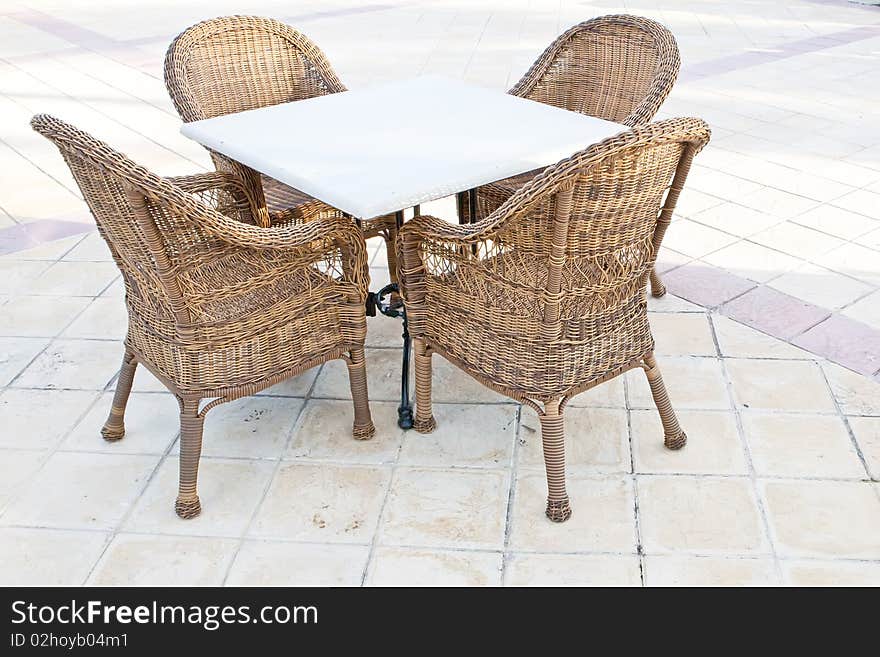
691	383
16	467
856	394
87	279
797	240
867	433
273	563
39	316
855	260
229	491
602	516
81	491
709	571
831	573
700	514
383	377
738	219
695	240
323	433
669	303
144	381
38	419
801	446
572	570
779	385
682	334
250	427
105	318
466	435
17	275
596	440
740	341
609	394
144	560
821	287
460	508
297	386
752	261
151	424
836	221
866	310
713	446
49	251
322	502
823	518
48	557
15	354
450	384
77	364
413	567
93	248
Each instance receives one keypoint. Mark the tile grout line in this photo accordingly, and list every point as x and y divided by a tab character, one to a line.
752	475
511	495
846	424
640	549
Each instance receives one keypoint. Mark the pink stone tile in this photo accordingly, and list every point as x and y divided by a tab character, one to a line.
773	312
846	342
705	285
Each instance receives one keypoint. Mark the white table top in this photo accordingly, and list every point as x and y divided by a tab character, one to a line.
373	151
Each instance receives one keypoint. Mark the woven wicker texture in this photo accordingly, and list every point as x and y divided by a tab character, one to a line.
218	307
237	63
545	297
620	68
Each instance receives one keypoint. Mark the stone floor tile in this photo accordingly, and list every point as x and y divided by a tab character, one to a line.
81	491
696	240
103	319
38	419
801	446
772	312
821	287
752	261
87	279
835	221
296	386
691	383
383	377
419	567
709	571
596	440
152	422
446	508
466	435
706	285
322	502
16	467
48	557
526	569
844	341
146	560
737	340
77	364
856	394
274	563
825	519
15	354
610	394
40	316
867	433
229	491
682	334
831	573
866	310
701	515
787	385
602	518
713	446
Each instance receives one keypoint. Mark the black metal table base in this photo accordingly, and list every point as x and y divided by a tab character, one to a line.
393	307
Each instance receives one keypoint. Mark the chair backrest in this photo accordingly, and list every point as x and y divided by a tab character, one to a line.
237	63
147	222
619	68
595	221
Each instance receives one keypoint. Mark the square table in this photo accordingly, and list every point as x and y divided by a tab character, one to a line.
382	149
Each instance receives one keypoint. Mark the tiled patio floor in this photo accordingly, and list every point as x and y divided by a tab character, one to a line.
770	344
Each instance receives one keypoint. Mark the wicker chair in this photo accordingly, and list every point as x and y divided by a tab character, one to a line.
546	297
218	308
237	63
620	68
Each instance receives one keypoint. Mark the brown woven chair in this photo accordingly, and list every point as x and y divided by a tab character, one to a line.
546	297
218	308
237	63
620	68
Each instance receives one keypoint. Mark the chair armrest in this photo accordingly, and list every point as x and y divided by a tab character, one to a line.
221	191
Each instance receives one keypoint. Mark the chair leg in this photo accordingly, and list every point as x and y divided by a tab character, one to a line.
357	377
658	289
114	427
424	421
191	427
674	436
392	253
553	438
